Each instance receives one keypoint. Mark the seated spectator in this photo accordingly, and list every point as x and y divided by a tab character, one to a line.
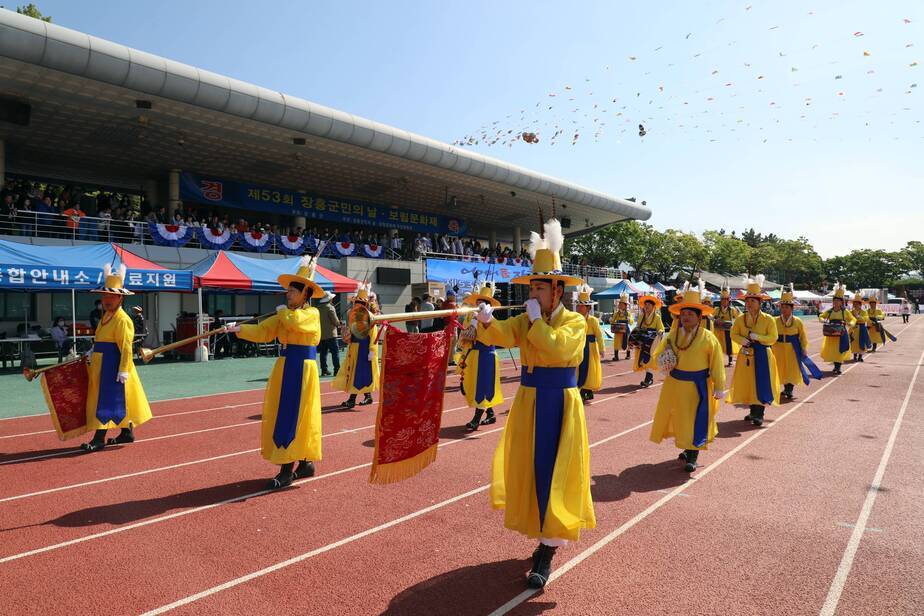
63	343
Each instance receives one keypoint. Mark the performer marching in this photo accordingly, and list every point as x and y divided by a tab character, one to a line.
590	372
479	363
878	334
859	333
620	326
291	425
791	347
724	318
695	382
359	372
755	381
115	397
650	327
835	347
541	475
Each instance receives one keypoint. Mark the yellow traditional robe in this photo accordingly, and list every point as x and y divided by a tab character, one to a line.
621	316
874	333
860	316
830	346
595	351
344	381
675	414
468	364
744	381
558	344
729	314
787	364
120	331
653	322
300	327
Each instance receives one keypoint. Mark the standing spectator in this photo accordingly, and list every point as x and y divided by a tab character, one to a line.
162	216
906	310
73	217
7	212
102	226
24	216
413	327
426	325
141	332
96	314
62	340
222	341
330	324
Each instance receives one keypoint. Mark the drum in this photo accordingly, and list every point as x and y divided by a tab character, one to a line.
620	327
65	389
724	325
642	338
833	329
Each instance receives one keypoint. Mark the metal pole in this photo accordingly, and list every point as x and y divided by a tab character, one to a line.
74	320
202	352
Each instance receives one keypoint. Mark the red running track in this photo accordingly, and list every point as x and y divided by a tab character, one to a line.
180	521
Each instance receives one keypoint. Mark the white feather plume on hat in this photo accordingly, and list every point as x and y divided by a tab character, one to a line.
553	239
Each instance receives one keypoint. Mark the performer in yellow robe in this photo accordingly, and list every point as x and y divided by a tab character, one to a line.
359	372
479	363
724	317
756	381
115	397
541	474
860	341
877	331
651	326
620	325
695	382
791	347
291	426
590	372
836	349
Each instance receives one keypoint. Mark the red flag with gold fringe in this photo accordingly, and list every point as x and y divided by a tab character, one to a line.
407	426
65	388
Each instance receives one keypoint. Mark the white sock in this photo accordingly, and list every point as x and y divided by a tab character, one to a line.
555	543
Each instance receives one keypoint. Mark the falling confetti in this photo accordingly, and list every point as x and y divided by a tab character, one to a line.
836	77
858	34
633	58
867	54
641	130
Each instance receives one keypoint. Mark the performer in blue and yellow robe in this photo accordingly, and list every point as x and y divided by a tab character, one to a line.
590	372
756	381
695	382
836	349
115	397
291	425
726	313
651	325
625	317
541	475
878	334
860	341
791	348
359	372
479	364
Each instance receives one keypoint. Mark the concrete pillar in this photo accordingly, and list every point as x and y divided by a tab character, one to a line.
492	238
299	222
173	192
152	193
517	240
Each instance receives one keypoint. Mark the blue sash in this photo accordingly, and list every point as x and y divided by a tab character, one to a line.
585	363
762	373
625	335
486	377
645	355
110	404
290	392
728	343
865	341
845	337
701	423
801	358
362	376
550	411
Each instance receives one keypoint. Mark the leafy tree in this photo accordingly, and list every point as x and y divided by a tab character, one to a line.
30	10
725	253
914	255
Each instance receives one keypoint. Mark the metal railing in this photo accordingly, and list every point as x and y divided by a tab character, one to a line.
582	271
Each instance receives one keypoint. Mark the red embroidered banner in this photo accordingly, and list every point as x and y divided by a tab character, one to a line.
65	388
411	406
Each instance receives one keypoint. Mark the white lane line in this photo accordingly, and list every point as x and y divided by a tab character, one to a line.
331	546
843	570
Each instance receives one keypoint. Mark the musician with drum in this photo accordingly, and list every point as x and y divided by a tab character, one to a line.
695	381
860	341
620	326
836	345
878	334
479	363
359	372
724	318
791	347
590	372
756	381
643	337
115	397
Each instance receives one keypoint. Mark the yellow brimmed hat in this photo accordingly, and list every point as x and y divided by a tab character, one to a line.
691	298
625	299
113	283
839	291
544	251
484	293
754	287
649	298
363	293
857	298
872	299
583	295
305	277
726	292
789	297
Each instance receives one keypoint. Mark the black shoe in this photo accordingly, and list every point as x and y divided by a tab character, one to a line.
837	369
476	421
590	394
125	437
348	404
96	443
304	469
367	400
648	381
283	479
757	416
542	566
325	373
860	358
691	456
489	419
585	395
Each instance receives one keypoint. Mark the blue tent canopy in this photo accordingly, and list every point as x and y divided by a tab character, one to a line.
232	272
623	286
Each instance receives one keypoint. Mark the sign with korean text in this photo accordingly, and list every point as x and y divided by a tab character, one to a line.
57	278
462	274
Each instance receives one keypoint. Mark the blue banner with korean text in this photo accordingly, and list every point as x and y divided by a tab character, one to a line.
58	278
257	198
462	274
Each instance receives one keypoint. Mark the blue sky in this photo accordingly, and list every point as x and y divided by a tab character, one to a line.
720	88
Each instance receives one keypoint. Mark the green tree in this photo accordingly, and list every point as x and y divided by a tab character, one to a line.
752	238
628	241
726	254
797	261
914	255
871	268
30	10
